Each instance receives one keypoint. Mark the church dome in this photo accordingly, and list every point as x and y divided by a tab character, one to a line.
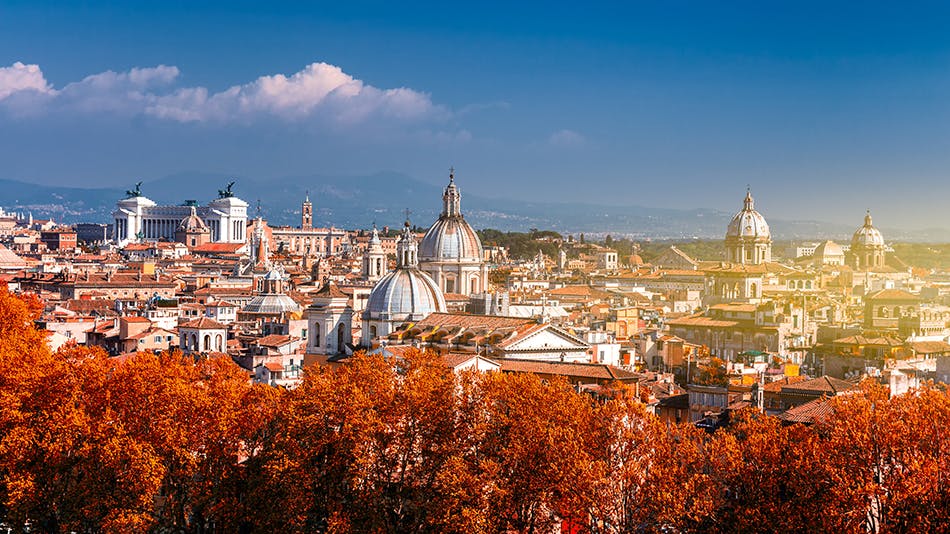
193	223
405	293
748	224
867	235
451	238
271	304
272	300
829	249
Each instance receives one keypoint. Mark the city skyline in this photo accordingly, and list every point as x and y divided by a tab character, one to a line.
825	112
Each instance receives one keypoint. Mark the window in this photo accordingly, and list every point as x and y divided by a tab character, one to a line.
158	339
316	334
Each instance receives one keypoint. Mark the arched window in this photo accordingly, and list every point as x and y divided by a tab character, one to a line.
883	312
316	335
379	266
207	342
217	343
194	342
474	284
340	338
372	332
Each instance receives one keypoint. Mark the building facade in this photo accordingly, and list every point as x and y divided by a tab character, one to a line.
138	218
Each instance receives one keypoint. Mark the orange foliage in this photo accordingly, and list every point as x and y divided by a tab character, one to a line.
165	443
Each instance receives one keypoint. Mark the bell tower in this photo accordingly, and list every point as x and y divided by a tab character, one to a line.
306	214
374	259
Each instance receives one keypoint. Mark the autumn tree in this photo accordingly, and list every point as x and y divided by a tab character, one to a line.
889	459
91	443
712	373
361	447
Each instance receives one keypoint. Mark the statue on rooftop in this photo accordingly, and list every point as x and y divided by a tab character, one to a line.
137	192
226	192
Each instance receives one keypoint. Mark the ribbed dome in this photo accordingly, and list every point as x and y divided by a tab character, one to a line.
405	293
828	249
867	235
748	224
193	223
272	304
450	239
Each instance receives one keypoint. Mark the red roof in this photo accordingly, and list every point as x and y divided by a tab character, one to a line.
811	412
203	323
222	248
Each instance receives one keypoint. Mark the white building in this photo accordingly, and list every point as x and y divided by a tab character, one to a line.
203	335
329	322
138	218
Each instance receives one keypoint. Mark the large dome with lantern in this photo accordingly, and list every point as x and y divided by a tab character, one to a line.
867	235
748	238
451	252
748	223
451	238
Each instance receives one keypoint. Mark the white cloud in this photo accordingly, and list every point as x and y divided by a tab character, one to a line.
566	138
20	77
320	89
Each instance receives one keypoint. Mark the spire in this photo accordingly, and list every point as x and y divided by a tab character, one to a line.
451	199
867	218
374	239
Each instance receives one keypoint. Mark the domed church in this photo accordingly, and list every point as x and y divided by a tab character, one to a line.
748	239
867	246
404	294
451	252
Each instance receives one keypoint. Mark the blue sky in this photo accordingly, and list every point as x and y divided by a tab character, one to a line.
824	110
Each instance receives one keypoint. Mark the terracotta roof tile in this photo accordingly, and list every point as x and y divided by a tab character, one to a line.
203	323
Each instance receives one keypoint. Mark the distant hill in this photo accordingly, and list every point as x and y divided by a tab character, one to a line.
358	201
